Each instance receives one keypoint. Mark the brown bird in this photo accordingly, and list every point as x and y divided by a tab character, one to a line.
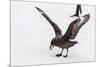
64	41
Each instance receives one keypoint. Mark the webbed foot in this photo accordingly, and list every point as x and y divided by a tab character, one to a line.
65	56
58	55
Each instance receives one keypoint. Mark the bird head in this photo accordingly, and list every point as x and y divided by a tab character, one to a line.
52	43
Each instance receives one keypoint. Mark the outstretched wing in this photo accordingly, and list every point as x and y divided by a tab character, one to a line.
74	27
69	31
77	26
55	26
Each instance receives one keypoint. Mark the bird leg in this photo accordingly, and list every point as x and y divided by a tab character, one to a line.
66	53
58	55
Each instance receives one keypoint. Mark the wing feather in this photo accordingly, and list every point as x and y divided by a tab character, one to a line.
74	27
55	26
68	33
77	27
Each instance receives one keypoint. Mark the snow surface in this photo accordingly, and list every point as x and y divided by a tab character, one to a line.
31	34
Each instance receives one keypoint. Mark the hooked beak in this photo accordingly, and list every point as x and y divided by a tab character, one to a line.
51	46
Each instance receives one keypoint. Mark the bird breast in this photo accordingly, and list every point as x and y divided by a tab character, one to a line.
62	44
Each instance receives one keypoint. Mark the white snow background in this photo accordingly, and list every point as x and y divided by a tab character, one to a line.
31	33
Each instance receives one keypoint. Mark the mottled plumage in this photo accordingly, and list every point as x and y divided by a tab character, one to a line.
64	41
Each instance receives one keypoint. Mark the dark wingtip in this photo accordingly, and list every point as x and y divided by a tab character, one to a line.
76	42
38	9
86	17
